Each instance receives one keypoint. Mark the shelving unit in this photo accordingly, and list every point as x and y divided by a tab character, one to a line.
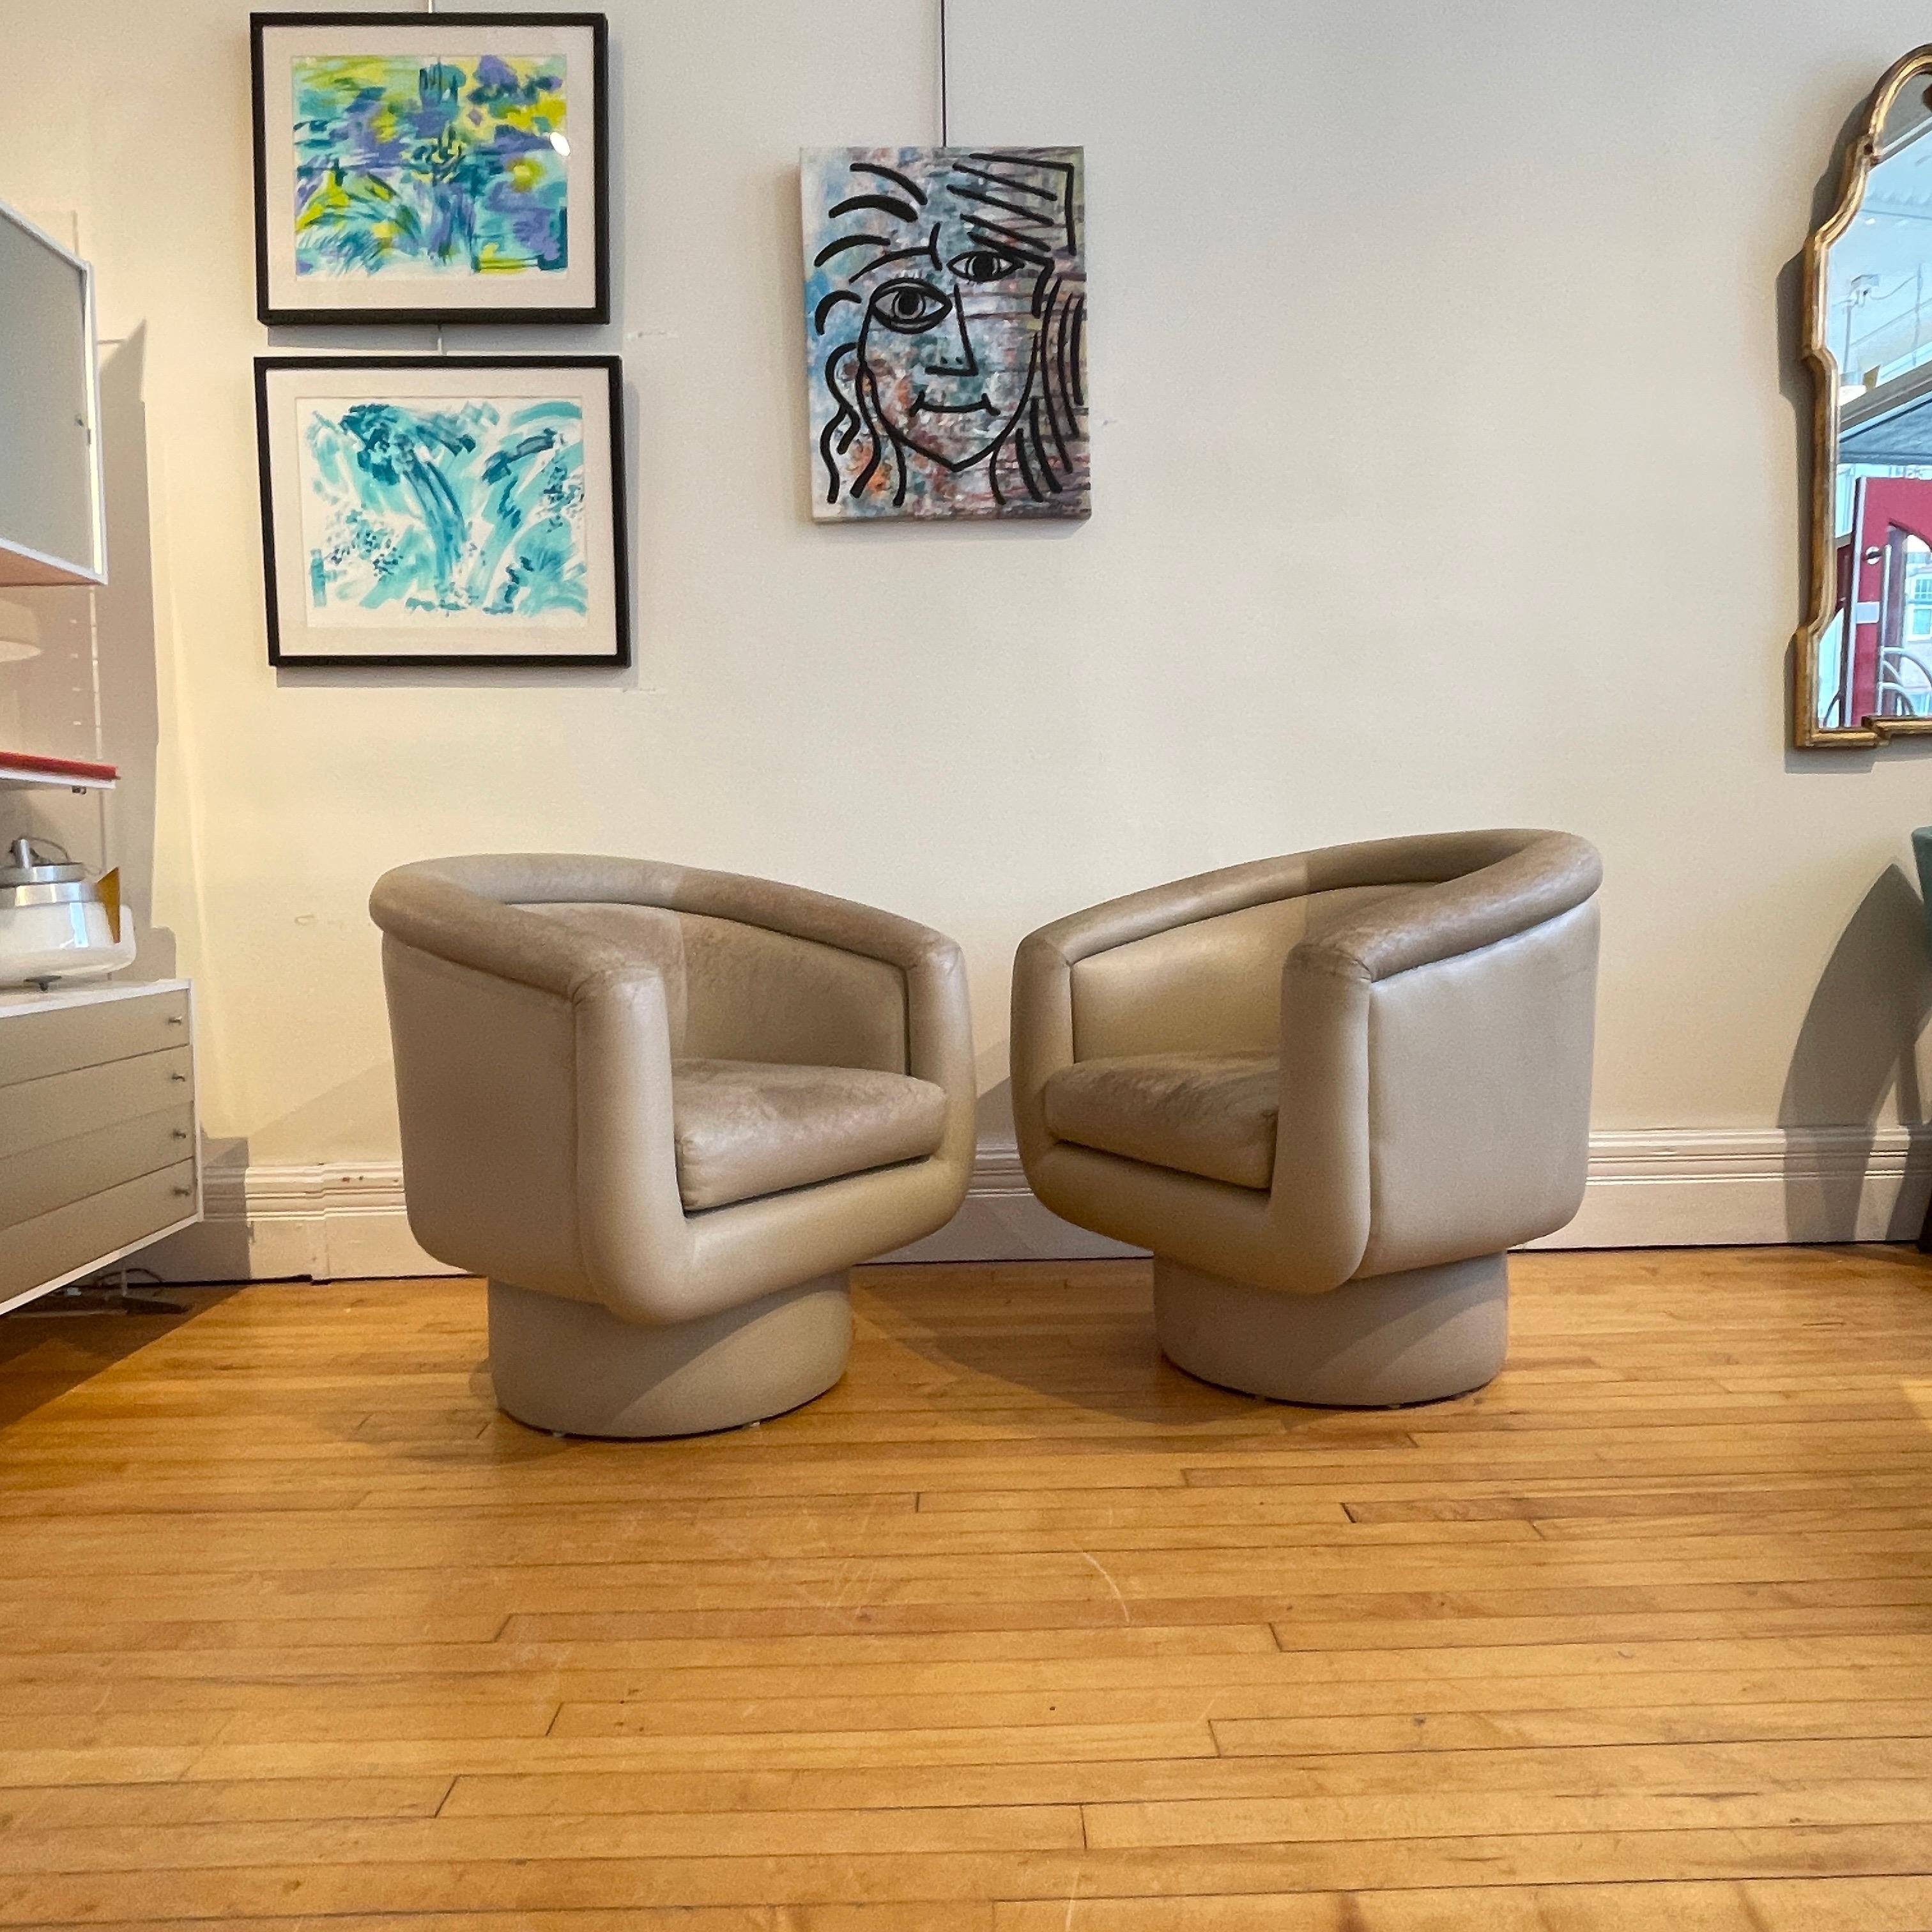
100	1138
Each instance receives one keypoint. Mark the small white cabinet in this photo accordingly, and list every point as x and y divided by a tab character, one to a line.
99	1149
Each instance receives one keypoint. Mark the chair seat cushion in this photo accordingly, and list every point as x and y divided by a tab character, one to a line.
748	1127
1213	1114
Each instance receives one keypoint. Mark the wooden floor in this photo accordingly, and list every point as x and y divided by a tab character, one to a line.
1017	1630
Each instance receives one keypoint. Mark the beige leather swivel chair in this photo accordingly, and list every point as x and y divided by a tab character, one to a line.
663	1110
1329	1092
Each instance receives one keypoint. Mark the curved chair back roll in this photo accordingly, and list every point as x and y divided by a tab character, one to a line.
750	970
1470	889
436	899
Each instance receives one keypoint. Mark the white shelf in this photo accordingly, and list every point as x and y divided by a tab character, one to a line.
15	777
87	993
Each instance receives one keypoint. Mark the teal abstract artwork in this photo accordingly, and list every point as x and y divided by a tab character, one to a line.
426	510
457	164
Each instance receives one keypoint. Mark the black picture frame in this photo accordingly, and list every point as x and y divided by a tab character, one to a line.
597	309
268	367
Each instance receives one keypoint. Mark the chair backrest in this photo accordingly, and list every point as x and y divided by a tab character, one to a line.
737	991
1211	986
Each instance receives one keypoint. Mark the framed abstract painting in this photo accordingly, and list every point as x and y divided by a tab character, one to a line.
945	332
439	167
443	509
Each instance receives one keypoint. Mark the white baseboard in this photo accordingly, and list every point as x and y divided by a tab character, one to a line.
1718	1187
1700	1187
337	1222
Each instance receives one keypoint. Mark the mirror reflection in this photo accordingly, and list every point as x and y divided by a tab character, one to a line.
1873	655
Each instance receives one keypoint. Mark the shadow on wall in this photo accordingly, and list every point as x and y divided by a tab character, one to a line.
131	727
1857	1045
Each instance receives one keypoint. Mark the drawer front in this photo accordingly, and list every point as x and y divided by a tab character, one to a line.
37	1113
44	1178
35	1044
84	1231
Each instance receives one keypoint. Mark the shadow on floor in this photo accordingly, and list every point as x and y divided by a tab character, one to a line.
47	1349
1079	1332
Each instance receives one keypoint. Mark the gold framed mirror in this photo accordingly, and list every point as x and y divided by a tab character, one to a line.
1863	657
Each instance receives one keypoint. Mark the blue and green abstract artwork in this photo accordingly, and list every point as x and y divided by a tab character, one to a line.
450	165
436	509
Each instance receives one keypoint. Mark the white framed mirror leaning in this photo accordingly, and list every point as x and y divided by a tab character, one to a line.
1862	661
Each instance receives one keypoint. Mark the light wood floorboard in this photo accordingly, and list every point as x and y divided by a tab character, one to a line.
1019	1630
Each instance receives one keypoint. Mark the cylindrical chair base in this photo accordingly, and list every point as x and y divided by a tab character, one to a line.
1416	1336
575	1368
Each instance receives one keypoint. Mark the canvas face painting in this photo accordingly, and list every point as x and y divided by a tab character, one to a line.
443	509
945	318
443	167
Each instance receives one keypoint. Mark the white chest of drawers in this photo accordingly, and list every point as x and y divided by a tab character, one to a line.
99	1151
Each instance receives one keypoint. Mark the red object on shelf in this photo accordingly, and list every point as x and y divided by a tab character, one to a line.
82	771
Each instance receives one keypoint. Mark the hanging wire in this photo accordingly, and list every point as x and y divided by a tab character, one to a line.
945	116
429	6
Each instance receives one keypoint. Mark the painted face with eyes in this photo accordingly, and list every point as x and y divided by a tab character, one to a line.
948	346
945	304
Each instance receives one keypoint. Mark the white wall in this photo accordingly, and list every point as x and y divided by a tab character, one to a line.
1446	462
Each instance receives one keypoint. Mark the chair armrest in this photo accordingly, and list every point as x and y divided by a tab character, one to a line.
533	1085
424	907
1436	1064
